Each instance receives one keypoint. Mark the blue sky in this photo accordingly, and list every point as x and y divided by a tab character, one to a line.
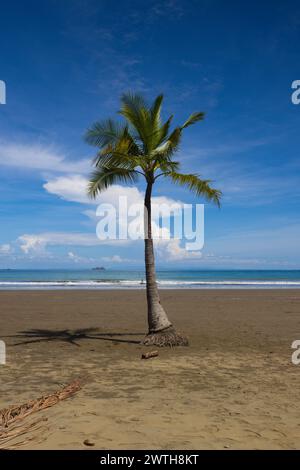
66	64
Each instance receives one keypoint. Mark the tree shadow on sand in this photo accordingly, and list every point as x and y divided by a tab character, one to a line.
71	336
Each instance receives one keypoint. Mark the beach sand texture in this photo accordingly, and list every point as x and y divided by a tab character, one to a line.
234	387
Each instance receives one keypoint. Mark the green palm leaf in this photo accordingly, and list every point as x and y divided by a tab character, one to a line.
142	145
197	185
195	117
104	133
102	178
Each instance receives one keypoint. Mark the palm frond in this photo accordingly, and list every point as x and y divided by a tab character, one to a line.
103	133
159	130
124	148
134	101
134	109
138	115
195	117
167	166
160	134
103	177
169	146
119	160
125	152
156	110
197	185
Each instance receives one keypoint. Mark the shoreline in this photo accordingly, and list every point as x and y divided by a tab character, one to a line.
220	286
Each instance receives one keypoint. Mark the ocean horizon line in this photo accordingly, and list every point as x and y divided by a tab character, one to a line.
135	279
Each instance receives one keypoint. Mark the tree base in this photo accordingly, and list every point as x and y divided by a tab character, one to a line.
167	337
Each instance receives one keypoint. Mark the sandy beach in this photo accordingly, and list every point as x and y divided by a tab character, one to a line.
234	387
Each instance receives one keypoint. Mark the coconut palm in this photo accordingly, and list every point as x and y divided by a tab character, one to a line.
144	146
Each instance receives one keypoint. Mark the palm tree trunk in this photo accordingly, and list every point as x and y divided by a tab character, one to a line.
157	317
161	332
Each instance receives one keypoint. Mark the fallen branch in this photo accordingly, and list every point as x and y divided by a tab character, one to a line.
20	431
11	418
150	354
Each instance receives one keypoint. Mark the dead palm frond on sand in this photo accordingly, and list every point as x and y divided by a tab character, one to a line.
13	419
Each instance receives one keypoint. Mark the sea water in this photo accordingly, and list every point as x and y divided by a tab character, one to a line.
175	279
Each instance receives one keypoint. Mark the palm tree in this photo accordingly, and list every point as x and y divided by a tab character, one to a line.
144	146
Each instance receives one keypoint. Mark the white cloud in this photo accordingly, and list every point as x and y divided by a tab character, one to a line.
39	157
171	250
74	257
70	188
116	259
80	259
74	188
5	249
37	243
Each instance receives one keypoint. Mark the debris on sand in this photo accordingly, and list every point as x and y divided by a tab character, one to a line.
150	354
88	443
12	418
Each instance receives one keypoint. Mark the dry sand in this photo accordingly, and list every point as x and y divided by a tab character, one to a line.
234	387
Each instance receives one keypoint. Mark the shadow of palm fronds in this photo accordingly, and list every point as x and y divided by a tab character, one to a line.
70	336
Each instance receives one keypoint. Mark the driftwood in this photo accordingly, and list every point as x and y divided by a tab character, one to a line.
150	354
11	418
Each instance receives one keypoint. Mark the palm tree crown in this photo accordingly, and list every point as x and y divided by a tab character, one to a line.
143	145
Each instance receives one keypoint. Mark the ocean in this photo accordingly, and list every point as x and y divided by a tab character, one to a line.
130	279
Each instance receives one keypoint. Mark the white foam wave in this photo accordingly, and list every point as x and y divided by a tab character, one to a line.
137	284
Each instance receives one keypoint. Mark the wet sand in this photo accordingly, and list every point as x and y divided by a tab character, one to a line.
234	387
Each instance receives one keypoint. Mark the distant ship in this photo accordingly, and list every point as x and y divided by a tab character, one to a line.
98	268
